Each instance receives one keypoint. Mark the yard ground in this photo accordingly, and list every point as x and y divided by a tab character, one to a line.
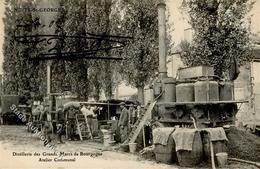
17	139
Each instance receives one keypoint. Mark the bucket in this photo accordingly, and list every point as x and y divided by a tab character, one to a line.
106	140
132	147
222	159
107	137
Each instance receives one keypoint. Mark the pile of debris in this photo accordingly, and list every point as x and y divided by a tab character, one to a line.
243	145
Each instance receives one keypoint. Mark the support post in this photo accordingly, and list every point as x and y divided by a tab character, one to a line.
48	78
162	39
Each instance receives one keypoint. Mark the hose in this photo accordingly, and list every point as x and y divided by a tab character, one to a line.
257	164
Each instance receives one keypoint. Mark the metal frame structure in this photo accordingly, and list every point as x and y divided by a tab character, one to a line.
96	43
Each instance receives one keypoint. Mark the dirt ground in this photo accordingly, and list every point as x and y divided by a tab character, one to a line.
17	139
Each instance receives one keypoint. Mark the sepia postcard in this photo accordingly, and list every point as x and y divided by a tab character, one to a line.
129	84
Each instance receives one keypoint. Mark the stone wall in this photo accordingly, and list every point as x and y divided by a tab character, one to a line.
243	92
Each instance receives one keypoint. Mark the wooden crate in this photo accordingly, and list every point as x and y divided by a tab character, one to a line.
195	72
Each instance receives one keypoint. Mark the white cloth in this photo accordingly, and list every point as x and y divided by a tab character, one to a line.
217	134
87	112
183	138
161	135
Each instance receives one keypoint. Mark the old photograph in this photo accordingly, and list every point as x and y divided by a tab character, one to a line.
129	84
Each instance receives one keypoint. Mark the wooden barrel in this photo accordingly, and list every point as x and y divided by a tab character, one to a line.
218	147
166	154
194	157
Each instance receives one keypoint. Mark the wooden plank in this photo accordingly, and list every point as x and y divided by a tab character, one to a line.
142	122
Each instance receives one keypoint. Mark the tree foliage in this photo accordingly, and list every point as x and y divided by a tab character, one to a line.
140	20
221	33
20	73
88	77
84	77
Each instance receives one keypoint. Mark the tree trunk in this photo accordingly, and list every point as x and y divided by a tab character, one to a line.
140	94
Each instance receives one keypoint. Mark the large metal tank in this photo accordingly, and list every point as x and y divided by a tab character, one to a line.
206	91
169	85
226	91
185	92
61	100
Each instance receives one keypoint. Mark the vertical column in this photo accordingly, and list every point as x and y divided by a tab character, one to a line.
162	39
48	78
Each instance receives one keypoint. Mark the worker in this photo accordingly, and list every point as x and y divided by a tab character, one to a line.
123	122
87	111
36	110
132	114
45	119
1	117
71	122
89	115
60	124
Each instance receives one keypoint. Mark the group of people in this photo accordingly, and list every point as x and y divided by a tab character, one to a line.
65	119
127	119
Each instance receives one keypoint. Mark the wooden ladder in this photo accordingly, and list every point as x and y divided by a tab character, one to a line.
139	124
83	127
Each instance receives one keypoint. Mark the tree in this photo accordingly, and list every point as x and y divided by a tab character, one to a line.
20	73
221	34
141	55
91	16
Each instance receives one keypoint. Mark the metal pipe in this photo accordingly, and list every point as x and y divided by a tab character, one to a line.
48	78
162	39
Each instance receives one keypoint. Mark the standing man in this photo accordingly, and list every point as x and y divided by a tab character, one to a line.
1	117
60	123
45	118
133	114
89	115
71	120
123	122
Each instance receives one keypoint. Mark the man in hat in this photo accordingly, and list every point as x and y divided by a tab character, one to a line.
123	122
71	121
60	123
45	118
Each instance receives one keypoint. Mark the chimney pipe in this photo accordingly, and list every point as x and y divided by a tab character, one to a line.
162	39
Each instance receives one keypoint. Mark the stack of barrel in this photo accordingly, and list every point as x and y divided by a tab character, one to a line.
207	90
197	92
167	153
200	151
